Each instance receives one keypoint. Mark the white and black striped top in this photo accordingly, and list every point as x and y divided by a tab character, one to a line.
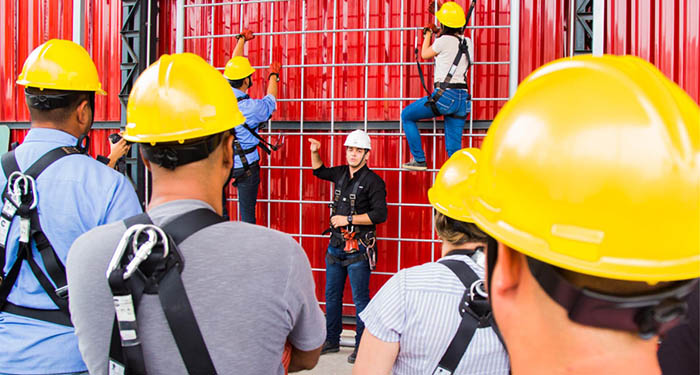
418	307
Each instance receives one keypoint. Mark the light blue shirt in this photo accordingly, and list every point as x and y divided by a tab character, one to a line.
255	112
76	194
419	308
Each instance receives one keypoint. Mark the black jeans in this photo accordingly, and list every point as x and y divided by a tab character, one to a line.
247	192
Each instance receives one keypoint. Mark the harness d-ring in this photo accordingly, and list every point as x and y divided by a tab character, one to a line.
477	288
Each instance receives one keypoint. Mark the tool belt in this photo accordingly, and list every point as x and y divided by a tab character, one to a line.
367	239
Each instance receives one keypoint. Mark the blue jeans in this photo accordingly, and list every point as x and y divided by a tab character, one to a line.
453	102
335	284
247	192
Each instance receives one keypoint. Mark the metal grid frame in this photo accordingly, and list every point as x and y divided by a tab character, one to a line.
333	133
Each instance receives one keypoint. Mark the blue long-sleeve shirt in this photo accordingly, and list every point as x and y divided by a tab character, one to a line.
255	112
76	193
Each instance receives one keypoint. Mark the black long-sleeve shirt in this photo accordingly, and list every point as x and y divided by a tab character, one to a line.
371	194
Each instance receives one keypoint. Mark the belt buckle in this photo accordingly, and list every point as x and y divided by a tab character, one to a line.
62	292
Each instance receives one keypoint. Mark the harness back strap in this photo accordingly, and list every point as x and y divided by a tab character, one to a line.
173	298
53	265
471	320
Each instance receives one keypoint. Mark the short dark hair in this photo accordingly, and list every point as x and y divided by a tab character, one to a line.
70	100
452	30
457	232
237	83
171	155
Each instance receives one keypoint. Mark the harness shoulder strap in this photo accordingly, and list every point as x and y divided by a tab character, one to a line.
469	323
174	301
455	63
355	188
190	223
58	291
242	98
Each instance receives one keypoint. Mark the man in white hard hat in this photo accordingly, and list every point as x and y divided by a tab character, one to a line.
359	204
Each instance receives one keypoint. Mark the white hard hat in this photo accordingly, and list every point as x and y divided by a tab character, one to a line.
359	139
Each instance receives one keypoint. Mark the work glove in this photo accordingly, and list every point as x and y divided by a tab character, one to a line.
430	27
275	68
247	34
431	6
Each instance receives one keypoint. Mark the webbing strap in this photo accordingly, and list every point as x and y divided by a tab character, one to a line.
58	290
183	325
262	143
173	297
470	319
355	188
239	151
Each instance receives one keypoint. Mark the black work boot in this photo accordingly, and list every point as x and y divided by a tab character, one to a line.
330	348
353	356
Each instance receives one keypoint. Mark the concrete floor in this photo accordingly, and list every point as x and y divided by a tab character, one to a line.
335	363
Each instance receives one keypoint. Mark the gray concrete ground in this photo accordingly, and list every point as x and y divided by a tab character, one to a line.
335	363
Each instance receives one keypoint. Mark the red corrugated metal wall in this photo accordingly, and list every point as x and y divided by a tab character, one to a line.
27	24
667	33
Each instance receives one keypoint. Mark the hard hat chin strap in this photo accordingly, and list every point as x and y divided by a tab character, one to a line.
647	315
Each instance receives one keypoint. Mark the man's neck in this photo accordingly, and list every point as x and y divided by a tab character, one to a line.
72	130
447	247
572	356
173	187
353	170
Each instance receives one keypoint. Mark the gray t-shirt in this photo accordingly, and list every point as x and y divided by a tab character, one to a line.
250	289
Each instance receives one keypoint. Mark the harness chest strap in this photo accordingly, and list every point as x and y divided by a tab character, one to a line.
126	354
30	230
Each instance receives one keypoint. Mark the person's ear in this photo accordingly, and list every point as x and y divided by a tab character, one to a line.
146	162
508	272
227	154
84	115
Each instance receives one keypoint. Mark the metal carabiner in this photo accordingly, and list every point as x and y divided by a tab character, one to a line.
121	248
13	192
278	143
21	191
144	250
477	287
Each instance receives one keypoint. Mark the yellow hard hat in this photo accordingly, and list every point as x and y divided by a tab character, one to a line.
60	65
451	183
451	15
238	68
594	166
180	97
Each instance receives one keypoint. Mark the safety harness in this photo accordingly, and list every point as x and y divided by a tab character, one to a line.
20	198
147	260
262	143
351	235
474	309
440	87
